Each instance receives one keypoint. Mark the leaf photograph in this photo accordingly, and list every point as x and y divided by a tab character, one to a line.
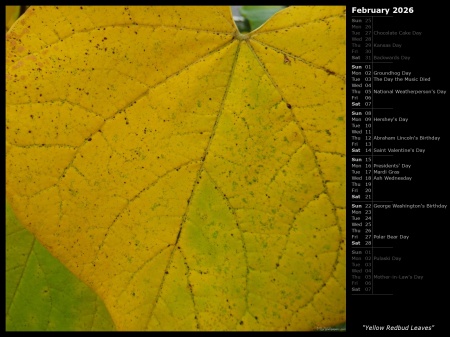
165	171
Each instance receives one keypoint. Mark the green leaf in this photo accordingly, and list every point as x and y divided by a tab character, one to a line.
257	15
12	14
41	294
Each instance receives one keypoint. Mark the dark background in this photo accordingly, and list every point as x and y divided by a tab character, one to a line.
419	303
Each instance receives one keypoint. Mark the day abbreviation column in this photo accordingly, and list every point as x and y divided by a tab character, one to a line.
360	128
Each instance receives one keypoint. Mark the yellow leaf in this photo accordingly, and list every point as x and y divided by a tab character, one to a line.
193	176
